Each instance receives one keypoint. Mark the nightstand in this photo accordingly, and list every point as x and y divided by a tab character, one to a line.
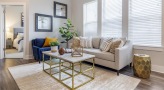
9	44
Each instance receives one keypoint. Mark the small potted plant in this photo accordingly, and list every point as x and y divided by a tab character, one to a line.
54	46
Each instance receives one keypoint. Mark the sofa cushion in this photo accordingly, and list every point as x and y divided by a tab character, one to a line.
123	40
105	44
116	43
99	54
39	42
96	42
86	42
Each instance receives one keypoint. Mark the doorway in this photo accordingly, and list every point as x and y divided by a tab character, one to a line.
14	31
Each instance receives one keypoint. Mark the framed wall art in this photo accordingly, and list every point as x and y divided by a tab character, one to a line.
43	23
60	10
22	19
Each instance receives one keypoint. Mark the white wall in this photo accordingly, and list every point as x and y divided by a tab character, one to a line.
13	19
157	57
43	7
77	15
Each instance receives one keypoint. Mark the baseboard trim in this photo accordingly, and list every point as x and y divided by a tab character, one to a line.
157	68
28	57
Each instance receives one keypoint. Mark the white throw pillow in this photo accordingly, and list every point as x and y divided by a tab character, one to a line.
86	42
105	44
20	35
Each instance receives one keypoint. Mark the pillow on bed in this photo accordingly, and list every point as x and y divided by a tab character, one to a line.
20	35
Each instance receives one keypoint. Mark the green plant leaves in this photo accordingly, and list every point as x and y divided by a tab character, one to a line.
54	43
67	32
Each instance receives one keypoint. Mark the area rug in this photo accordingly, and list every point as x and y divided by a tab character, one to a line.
32	77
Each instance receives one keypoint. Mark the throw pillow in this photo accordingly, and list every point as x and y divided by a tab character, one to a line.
123	40
86	42
48	40
96	42
105	44
116	43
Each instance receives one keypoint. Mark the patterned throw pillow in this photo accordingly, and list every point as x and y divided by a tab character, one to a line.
86	42
105	44
116	43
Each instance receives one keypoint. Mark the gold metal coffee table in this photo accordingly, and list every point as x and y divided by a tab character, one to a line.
58	63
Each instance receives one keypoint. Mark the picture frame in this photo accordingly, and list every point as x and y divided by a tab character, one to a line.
60	10
22	19
43	23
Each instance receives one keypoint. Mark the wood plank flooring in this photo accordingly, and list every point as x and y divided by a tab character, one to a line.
155	82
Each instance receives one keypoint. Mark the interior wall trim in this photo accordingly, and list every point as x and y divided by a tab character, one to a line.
27	57
157	68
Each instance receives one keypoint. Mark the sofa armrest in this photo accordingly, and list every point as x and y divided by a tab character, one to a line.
40	53
35	47
45	49
35	52
123	55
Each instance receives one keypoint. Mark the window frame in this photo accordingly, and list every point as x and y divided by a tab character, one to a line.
91	1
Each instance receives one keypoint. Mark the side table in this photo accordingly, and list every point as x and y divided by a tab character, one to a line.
9	44
142	65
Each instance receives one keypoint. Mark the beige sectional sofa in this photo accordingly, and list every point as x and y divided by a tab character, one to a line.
117	61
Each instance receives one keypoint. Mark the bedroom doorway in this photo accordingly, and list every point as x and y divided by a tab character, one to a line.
14	31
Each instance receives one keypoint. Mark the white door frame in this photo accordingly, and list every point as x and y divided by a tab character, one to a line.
1	31
2	28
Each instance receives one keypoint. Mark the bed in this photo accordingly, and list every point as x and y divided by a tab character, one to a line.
18	39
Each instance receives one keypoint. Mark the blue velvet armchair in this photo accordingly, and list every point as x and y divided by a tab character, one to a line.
38	49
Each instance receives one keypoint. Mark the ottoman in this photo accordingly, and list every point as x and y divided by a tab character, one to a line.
142	65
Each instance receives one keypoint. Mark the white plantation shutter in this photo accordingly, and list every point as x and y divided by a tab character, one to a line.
112	18
145	22
90	19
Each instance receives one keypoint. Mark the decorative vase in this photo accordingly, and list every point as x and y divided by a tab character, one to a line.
54	48
61	51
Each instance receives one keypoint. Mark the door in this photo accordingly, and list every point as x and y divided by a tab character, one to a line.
2	32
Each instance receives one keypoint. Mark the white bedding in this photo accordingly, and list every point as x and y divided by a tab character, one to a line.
19	46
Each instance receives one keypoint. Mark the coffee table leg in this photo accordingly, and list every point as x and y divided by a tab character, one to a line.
43	61
72	76
93	68
50	64
80	67
59	69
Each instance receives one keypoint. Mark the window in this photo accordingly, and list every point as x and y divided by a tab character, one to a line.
90	19
112	18
145	22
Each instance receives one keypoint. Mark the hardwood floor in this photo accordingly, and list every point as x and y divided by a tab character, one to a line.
155	82
6	80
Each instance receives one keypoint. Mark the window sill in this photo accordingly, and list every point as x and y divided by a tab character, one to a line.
148	48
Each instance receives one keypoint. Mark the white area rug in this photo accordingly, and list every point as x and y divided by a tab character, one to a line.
32	77
13	53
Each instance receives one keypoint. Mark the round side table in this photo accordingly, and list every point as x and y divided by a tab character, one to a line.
142	65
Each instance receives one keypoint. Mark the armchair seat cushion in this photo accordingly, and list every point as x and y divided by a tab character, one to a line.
99	54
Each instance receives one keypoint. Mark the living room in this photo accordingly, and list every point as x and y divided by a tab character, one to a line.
137	25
